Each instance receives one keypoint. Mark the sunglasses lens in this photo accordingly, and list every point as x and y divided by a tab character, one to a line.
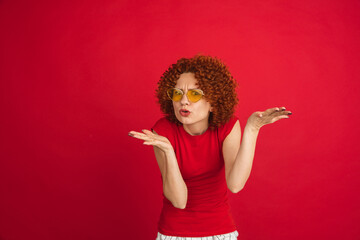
175	94
194	95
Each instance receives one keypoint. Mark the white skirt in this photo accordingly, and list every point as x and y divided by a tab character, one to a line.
227	236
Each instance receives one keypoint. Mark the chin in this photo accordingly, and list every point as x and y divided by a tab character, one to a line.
184	120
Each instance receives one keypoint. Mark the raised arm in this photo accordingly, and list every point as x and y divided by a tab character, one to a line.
239	158
174	187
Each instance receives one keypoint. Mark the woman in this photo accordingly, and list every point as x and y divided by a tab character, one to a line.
197	147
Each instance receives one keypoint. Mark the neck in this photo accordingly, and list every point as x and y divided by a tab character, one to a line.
197	128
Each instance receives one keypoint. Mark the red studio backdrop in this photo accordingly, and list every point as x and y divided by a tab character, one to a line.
77	76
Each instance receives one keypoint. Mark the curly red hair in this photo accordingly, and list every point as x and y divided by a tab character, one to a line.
212	76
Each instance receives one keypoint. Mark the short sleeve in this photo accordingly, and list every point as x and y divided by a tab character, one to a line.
225	129
164	127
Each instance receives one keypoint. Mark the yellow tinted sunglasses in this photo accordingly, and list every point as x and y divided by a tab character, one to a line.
193	95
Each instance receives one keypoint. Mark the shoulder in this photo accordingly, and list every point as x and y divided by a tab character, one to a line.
227	127
163	122
163	126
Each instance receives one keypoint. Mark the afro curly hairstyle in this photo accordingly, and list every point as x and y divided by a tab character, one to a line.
213	78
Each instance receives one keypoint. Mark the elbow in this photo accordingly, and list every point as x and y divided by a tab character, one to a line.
180	202
236	189
181	205
177	199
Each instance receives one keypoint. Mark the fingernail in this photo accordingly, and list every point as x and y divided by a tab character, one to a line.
130	134
283	109
289	113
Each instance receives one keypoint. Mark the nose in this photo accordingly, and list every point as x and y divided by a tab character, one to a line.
184	100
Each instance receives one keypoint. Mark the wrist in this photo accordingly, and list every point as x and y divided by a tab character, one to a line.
169	152
251	128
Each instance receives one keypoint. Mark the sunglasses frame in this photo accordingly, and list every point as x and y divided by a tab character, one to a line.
201	91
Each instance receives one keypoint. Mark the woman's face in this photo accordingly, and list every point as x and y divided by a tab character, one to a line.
199	111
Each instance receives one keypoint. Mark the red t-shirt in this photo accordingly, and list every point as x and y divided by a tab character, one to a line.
201	164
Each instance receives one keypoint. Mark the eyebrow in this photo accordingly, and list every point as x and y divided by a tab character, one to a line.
188	88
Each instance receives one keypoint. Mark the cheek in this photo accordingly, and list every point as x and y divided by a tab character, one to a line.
206	106
176	105
203	109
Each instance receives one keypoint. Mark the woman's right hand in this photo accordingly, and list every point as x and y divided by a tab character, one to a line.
153	139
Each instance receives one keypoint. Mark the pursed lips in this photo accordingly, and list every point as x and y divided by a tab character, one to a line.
184	110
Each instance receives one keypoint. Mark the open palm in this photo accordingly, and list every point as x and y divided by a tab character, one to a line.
152	139
271	115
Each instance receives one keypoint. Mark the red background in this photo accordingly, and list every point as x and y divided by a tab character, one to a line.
76	77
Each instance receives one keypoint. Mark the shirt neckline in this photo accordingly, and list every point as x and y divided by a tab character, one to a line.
194	136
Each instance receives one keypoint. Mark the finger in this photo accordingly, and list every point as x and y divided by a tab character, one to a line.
147	132
156	136
272	110
278	118
133	133
149	143
139	135
154	142
284	112
276	112
259	114
281	113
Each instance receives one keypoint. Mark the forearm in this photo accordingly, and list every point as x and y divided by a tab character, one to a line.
241	168
174	187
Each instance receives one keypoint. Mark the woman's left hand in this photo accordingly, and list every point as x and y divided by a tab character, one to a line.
271	115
